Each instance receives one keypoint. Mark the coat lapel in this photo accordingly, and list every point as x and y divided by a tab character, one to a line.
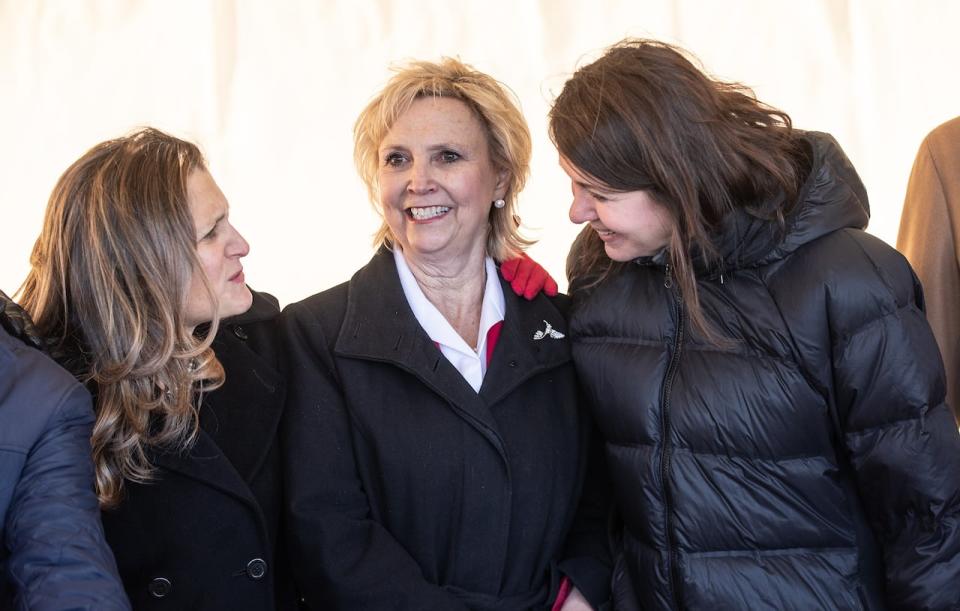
518	355
380	326
242	416
239	420
206	463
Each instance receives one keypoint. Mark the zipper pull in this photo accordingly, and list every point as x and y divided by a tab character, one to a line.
668	278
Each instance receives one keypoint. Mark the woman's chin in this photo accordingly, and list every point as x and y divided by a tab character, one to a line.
238	302
429	248
616	254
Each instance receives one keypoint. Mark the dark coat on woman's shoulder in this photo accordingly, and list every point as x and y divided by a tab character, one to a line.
204	533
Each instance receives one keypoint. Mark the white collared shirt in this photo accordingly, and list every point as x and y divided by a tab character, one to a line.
471	364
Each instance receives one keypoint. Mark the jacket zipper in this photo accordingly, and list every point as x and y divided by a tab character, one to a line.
665	454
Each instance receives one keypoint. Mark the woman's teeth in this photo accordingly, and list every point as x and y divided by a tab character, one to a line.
422	214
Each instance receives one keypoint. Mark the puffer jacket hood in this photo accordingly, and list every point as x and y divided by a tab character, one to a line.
831	198
809	463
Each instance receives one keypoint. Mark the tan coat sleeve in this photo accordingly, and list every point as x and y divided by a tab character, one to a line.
929	233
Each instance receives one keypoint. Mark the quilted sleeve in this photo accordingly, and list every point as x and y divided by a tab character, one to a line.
58	556
900	435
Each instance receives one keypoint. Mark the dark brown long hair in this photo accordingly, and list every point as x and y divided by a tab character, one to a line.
644	117
110	275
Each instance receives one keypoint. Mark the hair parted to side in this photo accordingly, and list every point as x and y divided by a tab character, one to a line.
645	117
110	276
493	104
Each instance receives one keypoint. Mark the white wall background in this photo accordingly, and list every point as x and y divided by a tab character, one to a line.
271	89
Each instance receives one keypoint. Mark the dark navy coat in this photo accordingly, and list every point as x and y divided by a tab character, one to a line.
407	489
811	463
53	554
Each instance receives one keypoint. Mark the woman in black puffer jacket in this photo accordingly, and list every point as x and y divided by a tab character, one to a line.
771	396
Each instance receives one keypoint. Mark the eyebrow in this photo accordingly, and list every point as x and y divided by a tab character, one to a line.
593	187
440	146
448	145
570	170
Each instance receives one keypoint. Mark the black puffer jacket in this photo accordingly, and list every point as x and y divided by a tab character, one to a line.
812	464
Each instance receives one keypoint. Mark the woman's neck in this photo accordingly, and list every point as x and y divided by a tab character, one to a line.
455	287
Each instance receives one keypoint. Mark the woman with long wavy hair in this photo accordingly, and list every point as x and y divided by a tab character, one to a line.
771	397
134	271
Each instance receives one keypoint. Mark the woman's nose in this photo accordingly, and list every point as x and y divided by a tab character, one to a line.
581	210
421	177
238	247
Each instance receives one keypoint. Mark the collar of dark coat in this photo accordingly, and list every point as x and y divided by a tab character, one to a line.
239	420
380	326
264	307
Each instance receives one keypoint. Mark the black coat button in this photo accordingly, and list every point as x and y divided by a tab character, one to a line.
256	568
159	587
239	332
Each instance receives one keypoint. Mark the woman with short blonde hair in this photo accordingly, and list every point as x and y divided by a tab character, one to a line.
436	445
493	105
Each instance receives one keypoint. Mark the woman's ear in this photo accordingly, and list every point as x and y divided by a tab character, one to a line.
503	183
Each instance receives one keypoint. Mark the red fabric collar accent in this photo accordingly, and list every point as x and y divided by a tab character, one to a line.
565	588
493	335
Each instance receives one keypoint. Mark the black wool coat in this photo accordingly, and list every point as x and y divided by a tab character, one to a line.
204	533
408	489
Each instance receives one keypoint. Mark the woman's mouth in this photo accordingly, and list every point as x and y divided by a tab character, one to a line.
605	234
427	213
237	277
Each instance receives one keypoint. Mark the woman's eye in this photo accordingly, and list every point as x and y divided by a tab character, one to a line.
394	159
600	198
209	235
449	156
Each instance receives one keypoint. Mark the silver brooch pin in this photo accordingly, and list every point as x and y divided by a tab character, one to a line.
548	332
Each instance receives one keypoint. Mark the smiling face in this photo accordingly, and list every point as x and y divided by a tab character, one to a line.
437	181
219	249
631	224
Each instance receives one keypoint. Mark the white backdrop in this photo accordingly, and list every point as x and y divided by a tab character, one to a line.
271	89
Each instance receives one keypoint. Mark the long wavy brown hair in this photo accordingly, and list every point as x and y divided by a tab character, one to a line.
109	279
645	117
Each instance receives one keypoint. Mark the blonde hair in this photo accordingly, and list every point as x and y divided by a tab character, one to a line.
499	114
109	279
